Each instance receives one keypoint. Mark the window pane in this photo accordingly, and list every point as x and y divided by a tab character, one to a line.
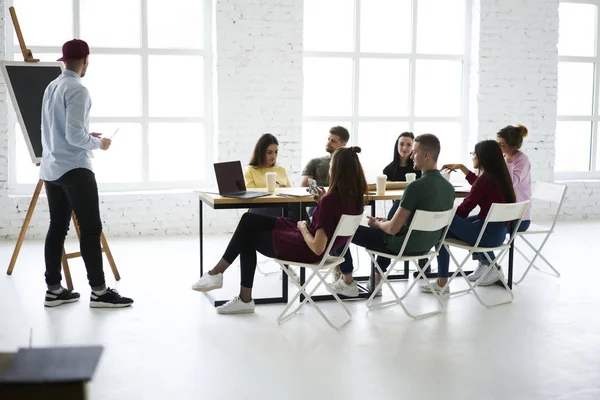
383	87
385	26
377	141
573	139
451	138
438	88
26	170
575	88
122	162
440	26
577	29
177	152
114	85
327	86
36	17
180	25
174	94
329	25
314	138
111	23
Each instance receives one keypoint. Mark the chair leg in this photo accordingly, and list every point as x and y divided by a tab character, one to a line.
307	298
538	253
399	299
284	316
473	287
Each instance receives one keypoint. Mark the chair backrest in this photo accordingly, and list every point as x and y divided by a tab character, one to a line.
549	192
429	221
553	193
345	228
348	225
505	212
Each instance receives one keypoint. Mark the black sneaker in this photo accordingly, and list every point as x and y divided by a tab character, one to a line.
110	299
66	296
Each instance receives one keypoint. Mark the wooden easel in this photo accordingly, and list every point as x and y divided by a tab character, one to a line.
28	57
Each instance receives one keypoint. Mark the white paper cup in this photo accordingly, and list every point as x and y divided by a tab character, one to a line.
446	175
411	176
271	178
380	185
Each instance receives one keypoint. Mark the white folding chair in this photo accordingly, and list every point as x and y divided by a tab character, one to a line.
499	212
424	221
549	192
346	228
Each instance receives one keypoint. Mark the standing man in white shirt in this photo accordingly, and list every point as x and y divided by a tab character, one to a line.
71	185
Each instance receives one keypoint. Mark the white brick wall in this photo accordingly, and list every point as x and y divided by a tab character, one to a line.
258	90
517	78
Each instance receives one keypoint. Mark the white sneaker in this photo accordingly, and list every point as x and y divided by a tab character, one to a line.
370	289
341	287
478	272
437	288
492	277
236	306
208	282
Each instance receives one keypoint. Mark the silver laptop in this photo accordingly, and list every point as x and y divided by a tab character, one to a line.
230	180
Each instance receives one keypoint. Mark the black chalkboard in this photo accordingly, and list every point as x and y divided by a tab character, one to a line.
26	83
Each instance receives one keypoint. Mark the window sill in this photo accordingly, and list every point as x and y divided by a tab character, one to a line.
148	192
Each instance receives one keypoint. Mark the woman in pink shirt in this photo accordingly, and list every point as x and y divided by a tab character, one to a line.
510	139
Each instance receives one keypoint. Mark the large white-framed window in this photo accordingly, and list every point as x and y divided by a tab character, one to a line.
577	145
149	76
382	67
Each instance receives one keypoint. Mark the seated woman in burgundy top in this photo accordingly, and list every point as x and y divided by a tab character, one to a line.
492	185
284	238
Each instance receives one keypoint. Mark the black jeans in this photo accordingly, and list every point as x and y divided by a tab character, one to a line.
372	239
74	191
253	233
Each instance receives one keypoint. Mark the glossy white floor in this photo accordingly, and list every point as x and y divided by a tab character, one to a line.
172	344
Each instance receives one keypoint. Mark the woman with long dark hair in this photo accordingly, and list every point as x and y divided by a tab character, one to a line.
284	238
492	184
263	160
401	165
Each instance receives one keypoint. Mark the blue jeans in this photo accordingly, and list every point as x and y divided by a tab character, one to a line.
524	225
467	230
369	238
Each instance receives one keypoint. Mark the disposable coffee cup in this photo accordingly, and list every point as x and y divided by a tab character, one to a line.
271	178
380	185
411	177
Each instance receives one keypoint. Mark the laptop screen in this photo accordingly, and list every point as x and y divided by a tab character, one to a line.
230	177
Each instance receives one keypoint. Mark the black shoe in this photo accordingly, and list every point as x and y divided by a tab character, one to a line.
110	299
66	296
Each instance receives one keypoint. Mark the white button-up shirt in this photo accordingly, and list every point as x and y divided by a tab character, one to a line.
65	127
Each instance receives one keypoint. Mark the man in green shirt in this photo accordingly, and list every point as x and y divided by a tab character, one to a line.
318	168
432	192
